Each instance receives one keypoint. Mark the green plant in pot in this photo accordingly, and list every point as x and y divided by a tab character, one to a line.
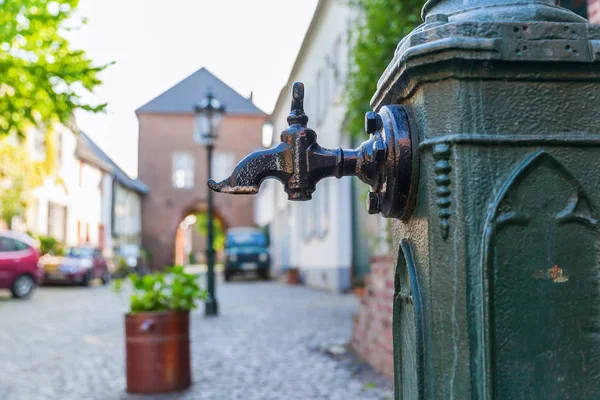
157	329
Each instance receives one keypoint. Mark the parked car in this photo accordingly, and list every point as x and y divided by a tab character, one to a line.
79	265
129	259
246	250
19	271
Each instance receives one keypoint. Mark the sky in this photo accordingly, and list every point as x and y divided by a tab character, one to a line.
249	44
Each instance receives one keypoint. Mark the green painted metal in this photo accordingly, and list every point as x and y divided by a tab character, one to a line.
498	277
579	7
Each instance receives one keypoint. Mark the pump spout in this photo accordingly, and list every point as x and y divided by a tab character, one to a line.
299	162
254	168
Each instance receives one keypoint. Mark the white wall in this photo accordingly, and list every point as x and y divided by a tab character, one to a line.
128	216
87	202
58	192
316	236
106	209
83	202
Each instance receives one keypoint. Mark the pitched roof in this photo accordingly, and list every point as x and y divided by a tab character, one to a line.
182	97
89	151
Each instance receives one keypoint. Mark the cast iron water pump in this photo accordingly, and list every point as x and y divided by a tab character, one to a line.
485	149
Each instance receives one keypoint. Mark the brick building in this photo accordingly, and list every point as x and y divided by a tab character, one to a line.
172	162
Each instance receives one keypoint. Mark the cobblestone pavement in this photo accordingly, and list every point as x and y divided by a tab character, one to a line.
67	344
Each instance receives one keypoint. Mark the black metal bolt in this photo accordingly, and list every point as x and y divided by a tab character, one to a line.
379	151
373	122
373	204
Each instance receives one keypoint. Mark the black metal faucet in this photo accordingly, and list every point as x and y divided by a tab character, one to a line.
299	162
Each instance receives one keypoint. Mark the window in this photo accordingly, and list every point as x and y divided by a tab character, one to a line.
57	221
183	171
101	235
307	210
320	110
59	149
322	214
83	232
309	103
39	143
8	245
80	173
19	246
222	165
315	213
336	68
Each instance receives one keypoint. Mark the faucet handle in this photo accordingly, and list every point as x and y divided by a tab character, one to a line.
297	114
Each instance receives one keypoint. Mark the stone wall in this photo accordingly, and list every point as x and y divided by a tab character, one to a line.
372	333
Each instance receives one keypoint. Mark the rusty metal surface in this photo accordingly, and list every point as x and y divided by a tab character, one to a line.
157	351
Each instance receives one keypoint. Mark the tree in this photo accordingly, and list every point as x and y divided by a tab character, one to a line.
219	234
18	176
42	78
382	25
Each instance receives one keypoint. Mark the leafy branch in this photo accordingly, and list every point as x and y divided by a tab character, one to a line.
42	79
173	289
381	26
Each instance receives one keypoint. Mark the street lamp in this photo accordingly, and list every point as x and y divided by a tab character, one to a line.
209	114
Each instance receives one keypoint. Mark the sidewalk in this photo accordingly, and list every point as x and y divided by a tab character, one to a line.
270	342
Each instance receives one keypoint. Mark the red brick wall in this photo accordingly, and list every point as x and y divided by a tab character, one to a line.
372	334
594	11
165	206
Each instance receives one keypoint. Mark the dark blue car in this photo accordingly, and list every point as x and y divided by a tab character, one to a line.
246	251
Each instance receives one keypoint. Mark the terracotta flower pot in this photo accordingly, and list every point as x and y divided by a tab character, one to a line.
359	291
293	276
158	351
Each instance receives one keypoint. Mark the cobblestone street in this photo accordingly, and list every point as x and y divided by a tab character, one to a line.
268	343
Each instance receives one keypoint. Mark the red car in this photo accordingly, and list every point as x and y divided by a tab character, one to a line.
79	265
19	269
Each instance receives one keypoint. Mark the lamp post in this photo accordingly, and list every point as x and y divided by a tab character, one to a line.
209	114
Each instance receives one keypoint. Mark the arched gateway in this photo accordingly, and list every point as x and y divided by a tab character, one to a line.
173	164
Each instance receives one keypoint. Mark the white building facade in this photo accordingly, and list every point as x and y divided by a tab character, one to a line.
66	206
90	200
315	236
121	197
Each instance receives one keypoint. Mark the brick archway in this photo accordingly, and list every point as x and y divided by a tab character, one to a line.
160	225
196	242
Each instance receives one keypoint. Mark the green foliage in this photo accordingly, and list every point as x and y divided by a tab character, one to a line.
18	177
145	255
122	268
42	79
192	258
383	24
173	289
358	282
219	233
49	245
